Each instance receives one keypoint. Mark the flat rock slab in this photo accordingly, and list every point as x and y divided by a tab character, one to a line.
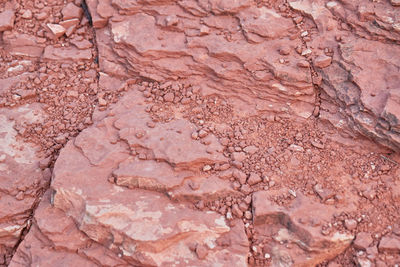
54	239
114	198
21	44
21	178
149	175
298	225
66	53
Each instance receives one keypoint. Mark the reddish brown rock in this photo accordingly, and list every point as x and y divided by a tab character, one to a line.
297	224
56	241
99	21
22	45
322	61
254	178
21	179
69	23
347	81
130	215
66	53
55	30
238	61
389	244
363	241
71	11
6	20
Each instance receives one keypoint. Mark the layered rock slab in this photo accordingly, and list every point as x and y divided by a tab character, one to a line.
212	46
57	241
362	79
22	180
297	225
136	220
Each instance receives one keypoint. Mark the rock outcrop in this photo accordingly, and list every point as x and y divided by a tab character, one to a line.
199	133
135	215
362	81
259	55
232	48
23	175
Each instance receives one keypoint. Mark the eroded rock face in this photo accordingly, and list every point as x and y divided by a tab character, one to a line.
230	48
134	189
22	179
258	53
135	216
363	77
297	224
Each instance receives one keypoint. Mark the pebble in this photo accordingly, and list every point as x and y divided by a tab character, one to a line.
203	133
26	14
284	50
322	61
204	30
207	168
236	211
306	52
395	2
245	189
317	144
201	252
195	135
102	102
303	64
254	178
20	195
350	224
250	149
240	176
169	97
56	30
248	215
238	156
296	148
41	16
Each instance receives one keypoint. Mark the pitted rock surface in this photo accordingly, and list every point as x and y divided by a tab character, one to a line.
131	216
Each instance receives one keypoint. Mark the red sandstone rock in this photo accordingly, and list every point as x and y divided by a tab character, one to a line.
21	179
141	161
296	226
23	45
389	244
322	61
6	20
363	241
71	11
56	30
66	53
164	219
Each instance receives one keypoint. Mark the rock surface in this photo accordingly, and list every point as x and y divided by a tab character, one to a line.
297	225
22	181
199	133
131	217
239	50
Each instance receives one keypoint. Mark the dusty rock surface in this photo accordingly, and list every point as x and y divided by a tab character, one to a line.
199	133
